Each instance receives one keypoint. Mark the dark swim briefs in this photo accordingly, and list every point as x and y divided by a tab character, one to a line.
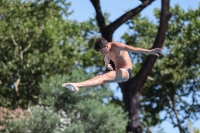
129	71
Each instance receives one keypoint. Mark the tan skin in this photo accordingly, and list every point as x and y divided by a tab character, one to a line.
118	53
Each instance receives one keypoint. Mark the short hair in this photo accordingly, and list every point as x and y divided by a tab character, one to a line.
100	43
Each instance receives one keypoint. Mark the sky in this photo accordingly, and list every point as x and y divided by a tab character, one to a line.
83	9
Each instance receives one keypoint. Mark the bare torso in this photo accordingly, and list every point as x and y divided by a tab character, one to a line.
119	57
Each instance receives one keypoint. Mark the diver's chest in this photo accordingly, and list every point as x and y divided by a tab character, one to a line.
114	55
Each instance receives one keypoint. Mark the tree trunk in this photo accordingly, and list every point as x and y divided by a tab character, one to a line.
131	99
132	89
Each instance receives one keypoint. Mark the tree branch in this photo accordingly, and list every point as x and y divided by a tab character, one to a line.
13	40
16	84
173	107
99	17
21	52
158	43
128	15
171	117
107	31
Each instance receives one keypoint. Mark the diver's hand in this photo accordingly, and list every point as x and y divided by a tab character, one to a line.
155	51
109	66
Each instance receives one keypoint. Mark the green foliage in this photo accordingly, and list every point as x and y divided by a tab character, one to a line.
96	117
196	130
175	77
63	111
42	120
40	50
177	74
191	128
6	116
85	108
37	41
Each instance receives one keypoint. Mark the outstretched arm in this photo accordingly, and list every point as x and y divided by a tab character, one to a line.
137	50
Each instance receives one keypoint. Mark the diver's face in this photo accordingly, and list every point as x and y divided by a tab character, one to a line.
104	51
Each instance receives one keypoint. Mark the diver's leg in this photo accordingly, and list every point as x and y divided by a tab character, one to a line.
118	75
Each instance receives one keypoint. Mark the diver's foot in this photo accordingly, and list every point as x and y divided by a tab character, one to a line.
71	86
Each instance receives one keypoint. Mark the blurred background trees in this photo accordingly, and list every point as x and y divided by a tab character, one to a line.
40	48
